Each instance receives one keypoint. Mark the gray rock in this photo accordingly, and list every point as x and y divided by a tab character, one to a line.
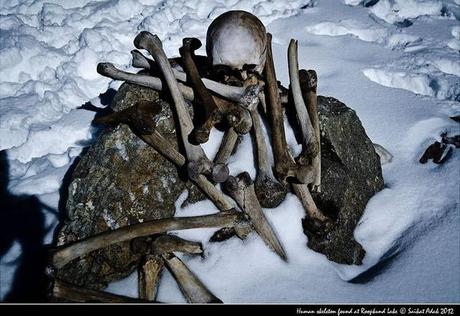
350	175
119	181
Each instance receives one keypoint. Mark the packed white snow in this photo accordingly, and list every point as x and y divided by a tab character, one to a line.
395	62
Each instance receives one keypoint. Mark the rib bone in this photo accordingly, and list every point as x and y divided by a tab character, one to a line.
67	253
192	288
241	189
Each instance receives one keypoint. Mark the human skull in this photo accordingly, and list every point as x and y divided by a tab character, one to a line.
237	39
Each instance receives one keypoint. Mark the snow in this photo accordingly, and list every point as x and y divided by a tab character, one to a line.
395	63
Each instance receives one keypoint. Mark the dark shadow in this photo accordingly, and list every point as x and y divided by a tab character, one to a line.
22	220
378	269
106	99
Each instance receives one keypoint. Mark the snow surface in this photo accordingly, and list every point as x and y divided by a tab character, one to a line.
395	62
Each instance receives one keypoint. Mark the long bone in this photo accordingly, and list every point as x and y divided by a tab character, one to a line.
149	273
309	142
143	111
190	285
241	188
269	191
66	253
61	290
197	162
284	163
213	114
308	84
226	146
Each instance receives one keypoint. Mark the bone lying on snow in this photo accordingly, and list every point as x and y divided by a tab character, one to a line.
241	188
191	286
66	253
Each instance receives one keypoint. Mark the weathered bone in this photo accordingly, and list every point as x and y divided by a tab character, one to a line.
193	289
110	71
308	84
241	188
284	163
303	193
170	243
66	253
149	273
213	115
309	145
197	162
269	191
226	146
60	290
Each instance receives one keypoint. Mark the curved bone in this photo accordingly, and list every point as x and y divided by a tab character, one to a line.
309	145
284	163
66	253
308	84
197	162
193	289
269	191
149	273
241	188
213	115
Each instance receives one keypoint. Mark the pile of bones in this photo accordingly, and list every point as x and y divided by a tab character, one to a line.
230	86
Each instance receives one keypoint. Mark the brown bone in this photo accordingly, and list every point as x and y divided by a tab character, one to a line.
241	188
191	286
63	291
213	115
66	253
149	273
284	163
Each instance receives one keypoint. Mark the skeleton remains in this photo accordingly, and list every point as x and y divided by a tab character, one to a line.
226	88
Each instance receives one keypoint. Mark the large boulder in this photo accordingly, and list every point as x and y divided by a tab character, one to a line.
119	181
350	175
